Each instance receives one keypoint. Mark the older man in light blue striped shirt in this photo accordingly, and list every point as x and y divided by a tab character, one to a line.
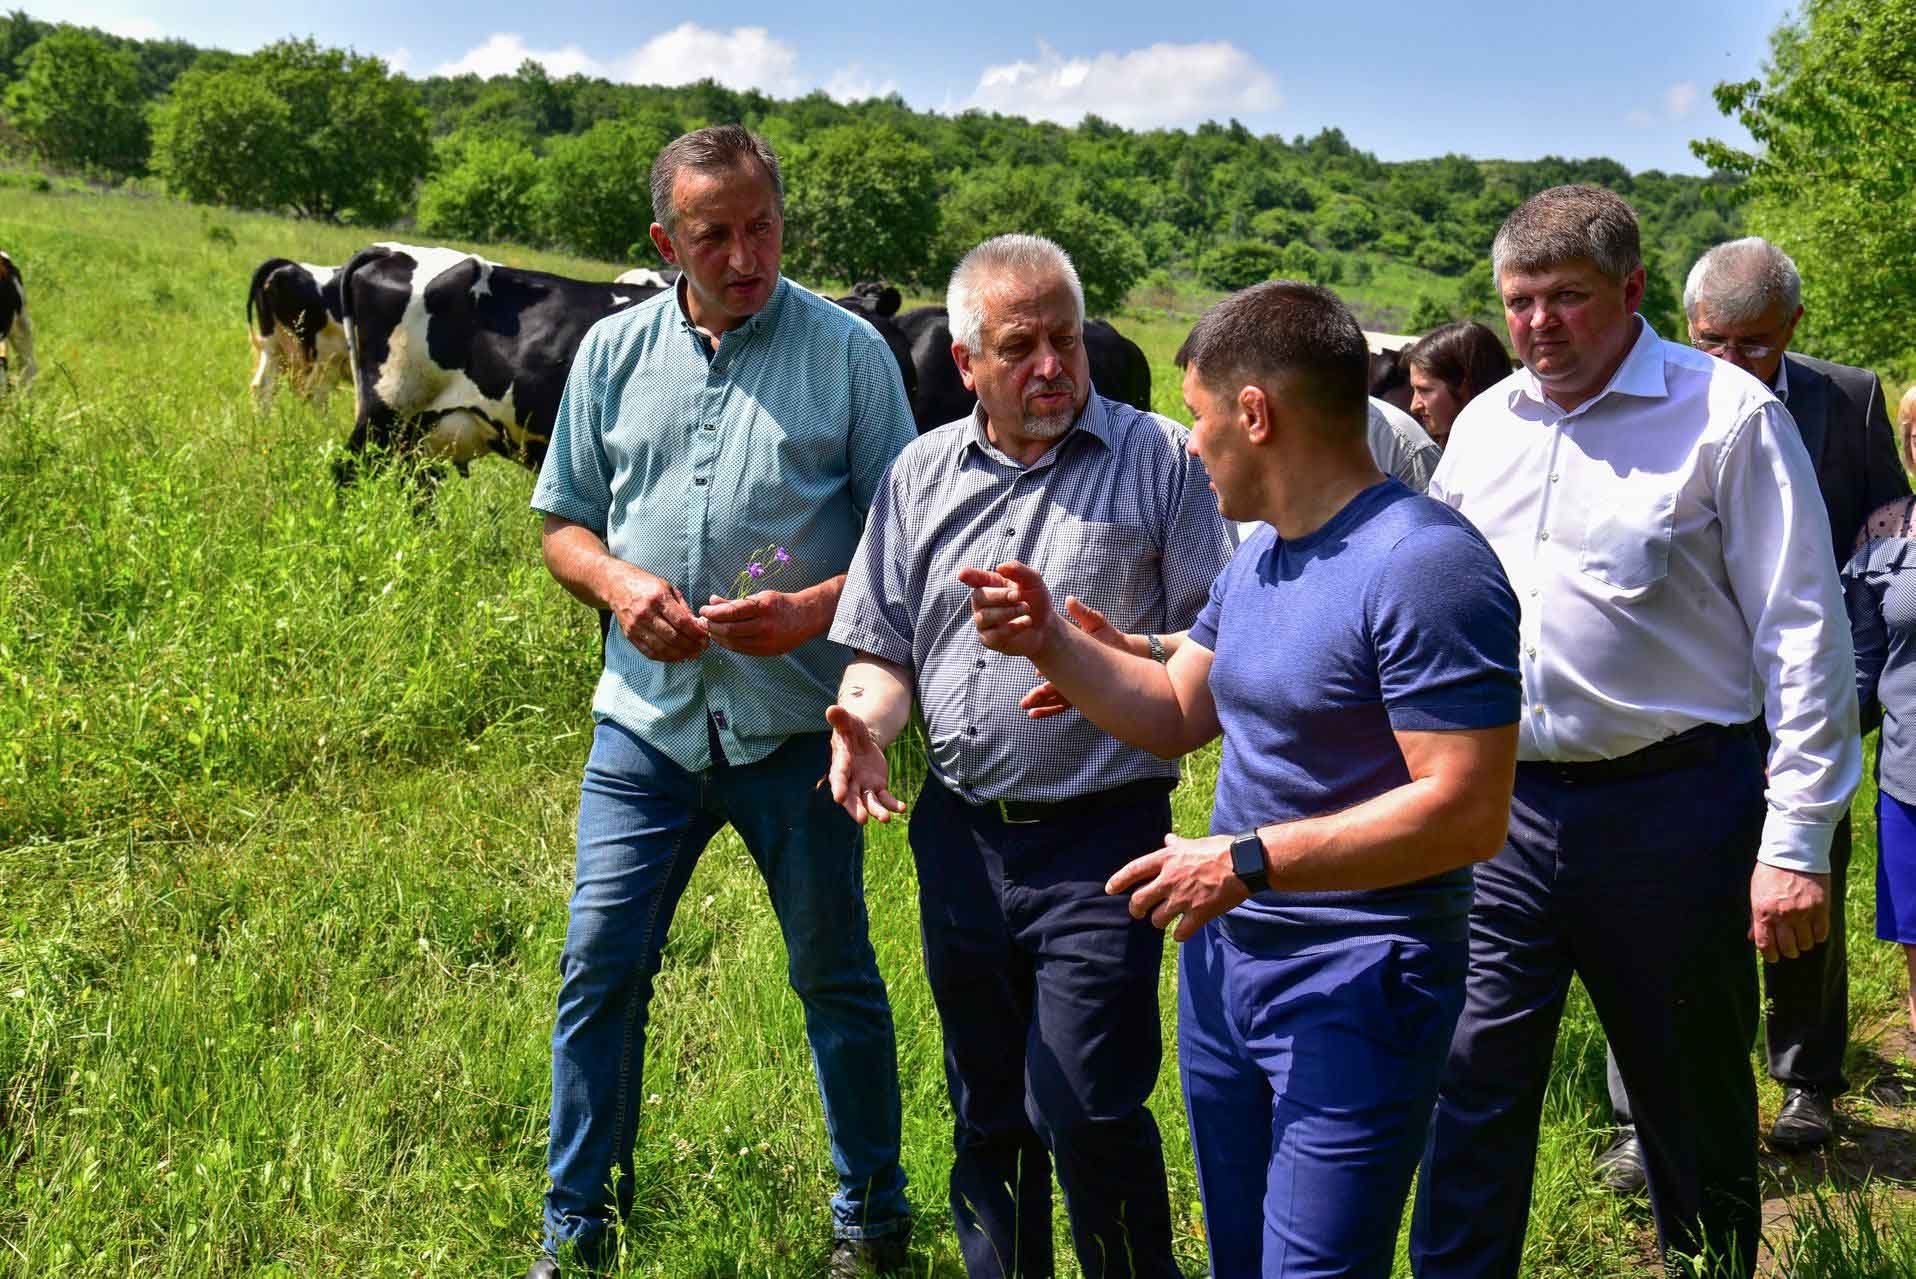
735	423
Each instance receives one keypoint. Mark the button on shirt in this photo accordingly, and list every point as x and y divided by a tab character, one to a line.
1672	560
1115	513
687	460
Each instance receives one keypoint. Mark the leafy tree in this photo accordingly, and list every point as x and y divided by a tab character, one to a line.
1833	180
1301	262
1442	256
1238	264
1037	200
862	206
325	133
1346	222
79	102
486	188
596	195
1281	226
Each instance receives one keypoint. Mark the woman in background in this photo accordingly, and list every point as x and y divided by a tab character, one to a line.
1449	367
1879	584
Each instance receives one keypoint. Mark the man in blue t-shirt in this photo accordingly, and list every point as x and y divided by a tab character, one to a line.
1359	656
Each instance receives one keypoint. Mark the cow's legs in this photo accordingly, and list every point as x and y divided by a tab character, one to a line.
262	384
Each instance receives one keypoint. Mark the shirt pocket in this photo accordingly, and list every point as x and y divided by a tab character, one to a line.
1626	537
1111	566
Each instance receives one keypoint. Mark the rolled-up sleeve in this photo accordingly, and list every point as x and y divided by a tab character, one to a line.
575	480
1783	574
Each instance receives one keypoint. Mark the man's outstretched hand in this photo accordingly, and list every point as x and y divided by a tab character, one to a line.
1011	608
860	777
1045	700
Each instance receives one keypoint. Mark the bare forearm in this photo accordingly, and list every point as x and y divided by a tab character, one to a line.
878	692
579	560
820	603
1420	829
1128	696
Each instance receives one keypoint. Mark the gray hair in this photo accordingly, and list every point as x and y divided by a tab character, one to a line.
1565	223
1028	256
717	149
1741	279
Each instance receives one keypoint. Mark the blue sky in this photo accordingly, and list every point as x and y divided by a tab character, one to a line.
1629	79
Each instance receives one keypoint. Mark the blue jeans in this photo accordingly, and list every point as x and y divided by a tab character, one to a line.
1309	1077
643	821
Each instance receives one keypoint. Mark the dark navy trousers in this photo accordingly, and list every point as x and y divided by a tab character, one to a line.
1640	887
1310	1067
1047	992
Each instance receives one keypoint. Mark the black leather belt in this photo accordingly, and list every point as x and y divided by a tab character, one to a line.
1027	812
1688	749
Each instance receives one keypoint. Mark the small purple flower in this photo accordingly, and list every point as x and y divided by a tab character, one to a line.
780	555
755	569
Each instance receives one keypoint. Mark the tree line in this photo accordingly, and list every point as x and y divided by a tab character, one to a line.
878	190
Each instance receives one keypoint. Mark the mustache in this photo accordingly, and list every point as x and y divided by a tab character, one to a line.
1059	385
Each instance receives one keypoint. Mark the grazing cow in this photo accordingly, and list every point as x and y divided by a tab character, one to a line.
1119	370
454	356
16	334
293	321
877	304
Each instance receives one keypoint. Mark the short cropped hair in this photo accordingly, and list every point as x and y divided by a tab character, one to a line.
717	149
1465	356
1284	329
1025	256
1565	223
1741	279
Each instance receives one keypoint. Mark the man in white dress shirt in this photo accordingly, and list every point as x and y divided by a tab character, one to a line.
1658	516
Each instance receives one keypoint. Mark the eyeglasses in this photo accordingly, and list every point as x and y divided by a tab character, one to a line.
1711	344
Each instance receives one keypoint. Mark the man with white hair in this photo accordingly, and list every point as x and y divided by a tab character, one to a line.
1744	299
1046	987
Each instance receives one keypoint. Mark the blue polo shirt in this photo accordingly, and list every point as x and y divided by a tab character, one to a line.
688	460
1393	616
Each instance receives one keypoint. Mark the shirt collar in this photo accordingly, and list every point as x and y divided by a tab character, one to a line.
1094	421
765	318
1782	387
1640	374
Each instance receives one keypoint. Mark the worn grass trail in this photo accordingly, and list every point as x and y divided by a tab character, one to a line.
287	782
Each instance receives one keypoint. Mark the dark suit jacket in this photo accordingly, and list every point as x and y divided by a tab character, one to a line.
1845	427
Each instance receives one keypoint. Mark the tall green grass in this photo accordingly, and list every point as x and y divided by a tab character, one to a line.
287	784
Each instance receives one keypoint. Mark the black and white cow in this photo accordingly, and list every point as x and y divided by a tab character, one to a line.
1119	370
455	357
651	276
16	333
293	321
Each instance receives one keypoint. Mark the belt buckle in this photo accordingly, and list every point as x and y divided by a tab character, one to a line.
1004	815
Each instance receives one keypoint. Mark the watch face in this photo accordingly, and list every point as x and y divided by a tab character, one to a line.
1247	856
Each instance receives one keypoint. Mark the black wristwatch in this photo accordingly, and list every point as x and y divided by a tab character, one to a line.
1247	861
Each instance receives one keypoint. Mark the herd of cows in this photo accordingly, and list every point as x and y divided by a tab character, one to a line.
453	357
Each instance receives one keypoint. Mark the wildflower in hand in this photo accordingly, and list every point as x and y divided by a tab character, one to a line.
765	563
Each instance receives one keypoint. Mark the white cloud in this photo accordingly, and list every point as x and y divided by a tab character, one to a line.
1680	98
502	53
1161	84
852	84
742	58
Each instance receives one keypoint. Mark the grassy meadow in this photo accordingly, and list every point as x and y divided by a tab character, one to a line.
287	785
